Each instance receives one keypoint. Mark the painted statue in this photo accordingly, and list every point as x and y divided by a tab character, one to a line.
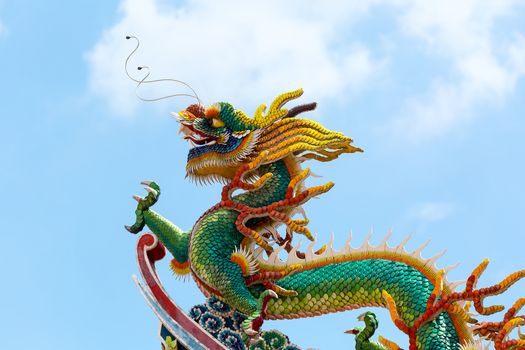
233	250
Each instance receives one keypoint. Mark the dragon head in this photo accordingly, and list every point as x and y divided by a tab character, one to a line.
223	138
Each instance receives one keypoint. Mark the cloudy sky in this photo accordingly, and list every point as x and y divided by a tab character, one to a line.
433	92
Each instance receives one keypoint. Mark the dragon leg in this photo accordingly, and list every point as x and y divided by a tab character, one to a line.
143	205
173	238
254	322
229	284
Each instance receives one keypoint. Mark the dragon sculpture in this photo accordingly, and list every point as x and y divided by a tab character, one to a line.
234	251
363	335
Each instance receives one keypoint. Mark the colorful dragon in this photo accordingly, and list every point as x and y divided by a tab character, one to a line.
234	250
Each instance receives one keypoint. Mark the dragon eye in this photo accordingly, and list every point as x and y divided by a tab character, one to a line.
217	123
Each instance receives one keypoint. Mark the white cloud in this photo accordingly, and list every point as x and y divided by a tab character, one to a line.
232	50
431	211
243	51
485	65
3	29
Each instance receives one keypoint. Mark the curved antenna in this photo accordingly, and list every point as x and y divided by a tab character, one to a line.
145	81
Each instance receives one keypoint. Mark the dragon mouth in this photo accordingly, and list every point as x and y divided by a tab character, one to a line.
196	137
215	152
361	317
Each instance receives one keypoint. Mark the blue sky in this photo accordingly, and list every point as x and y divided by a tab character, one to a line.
433	91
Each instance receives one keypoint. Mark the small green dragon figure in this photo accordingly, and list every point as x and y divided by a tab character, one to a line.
363	335
234	251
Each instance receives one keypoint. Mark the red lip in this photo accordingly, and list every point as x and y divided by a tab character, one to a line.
202	139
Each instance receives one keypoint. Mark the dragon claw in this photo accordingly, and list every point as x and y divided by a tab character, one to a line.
272	294
151	184
129	229
151	190
143	205
250	332
153	195
253	323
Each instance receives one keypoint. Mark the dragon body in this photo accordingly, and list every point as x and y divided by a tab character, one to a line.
234	251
